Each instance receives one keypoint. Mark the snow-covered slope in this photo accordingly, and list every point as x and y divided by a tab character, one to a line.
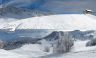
27	51
57	22
37	51
4	21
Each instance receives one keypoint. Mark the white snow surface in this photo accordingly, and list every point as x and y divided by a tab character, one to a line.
61	22
4	21
80	46
57	22
36	51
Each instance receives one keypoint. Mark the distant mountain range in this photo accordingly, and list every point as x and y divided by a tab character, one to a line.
55	6
21	13
19	37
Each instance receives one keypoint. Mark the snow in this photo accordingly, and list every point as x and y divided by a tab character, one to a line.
56	22
6	54
4	21
80	46
26	51
78	51
88	54
36	51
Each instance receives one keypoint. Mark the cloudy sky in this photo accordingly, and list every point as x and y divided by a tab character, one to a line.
57	6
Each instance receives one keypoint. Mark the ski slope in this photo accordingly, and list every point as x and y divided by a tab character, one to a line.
57	22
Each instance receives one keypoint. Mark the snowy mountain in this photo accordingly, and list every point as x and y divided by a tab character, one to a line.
55	6
56	22
26	32
19	33
20	13
44	27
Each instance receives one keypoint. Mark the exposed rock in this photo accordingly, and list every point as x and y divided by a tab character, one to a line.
1	44
91	42
63	44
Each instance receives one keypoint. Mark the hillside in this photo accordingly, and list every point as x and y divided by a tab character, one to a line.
56	22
